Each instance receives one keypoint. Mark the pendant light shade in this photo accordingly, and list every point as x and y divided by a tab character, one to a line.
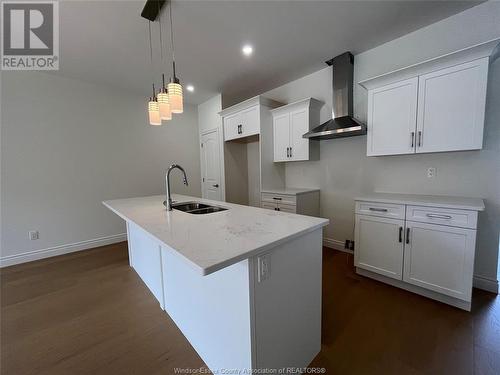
154	112
175	97
164	106
164	103
174	87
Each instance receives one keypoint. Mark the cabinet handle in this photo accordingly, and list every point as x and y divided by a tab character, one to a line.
275	198
288	152
407	235
215	185
278	209
291	152
400	234
378	209
437	216
241	129
412	139
419	138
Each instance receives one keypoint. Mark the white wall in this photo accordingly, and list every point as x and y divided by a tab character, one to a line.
344	171
67	145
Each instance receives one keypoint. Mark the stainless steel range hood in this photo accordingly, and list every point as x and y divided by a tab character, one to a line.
343	123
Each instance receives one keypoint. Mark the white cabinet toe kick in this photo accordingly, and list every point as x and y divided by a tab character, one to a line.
422	244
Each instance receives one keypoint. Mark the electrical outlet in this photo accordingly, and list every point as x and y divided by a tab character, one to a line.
33	235
264	265
431	172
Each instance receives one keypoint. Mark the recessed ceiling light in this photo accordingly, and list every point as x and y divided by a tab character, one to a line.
190	88
247	49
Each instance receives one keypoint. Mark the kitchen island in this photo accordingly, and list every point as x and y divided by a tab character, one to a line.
243	285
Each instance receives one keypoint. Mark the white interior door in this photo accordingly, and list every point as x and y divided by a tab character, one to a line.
440	258
451	106
392	118
379	245
281	127
211	166
298	127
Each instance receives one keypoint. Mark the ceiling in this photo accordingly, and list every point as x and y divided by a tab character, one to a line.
106	41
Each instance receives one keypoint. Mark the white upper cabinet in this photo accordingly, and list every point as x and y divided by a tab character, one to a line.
392	118
290	123
244	119
451	105
434	106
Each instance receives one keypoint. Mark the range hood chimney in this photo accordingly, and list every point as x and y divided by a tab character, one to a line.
343	124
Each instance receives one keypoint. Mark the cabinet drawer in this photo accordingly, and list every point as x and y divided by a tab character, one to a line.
280	198
287	208
393	211
443	216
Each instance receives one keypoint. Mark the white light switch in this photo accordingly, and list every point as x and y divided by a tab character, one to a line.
431	172
264	267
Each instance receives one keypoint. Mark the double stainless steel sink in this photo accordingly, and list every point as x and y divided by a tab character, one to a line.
196	208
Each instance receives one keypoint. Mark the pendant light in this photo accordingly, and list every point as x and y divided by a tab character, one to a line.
174	87
163	102
153	108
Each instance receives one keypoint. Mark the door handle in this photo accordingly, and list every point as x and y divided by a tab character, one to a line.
378	209
436	216
407	235
412	139
400	234
215	185
419	138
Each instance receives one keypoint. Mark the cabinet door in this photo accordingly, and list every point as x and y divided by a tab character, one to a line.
379	245
281	129
250	122
440	258
392	116
451	105
231	124
299	125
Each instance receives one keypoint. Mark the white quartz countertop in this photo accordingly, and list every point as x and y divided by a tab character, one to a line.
289	191
216	240
474	204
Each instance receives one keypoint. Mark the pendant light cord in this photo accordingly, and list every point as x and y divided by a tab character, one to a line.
172	38
159	24
151	57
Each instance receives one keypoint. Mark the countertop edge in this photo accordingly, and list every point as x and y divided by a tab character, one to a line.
204	271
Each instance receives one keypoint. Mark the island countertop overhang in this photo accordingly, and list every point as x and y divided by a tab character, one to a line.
213	241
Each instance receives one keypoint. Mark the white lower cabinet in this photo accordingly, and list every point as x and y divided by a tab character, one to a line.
427	250
440	258
379	245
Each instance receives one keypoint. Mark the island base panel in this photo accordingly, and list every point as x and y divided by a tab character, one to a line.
233	320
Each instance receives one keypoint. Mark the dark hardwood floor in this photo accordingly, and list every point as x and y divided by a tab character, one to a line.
89	313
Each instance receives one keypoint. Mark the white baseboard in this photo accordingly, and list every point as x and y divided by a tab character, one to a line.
30	256
485	283
336	245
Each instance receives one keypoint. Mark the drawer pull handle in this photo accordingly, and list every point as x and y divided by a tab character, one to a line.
278	199
400	234
407	236
378	209
436	216
412	139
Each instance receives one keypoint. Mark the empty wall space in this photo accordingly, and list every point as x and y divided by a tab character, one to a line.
66	146
253	162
